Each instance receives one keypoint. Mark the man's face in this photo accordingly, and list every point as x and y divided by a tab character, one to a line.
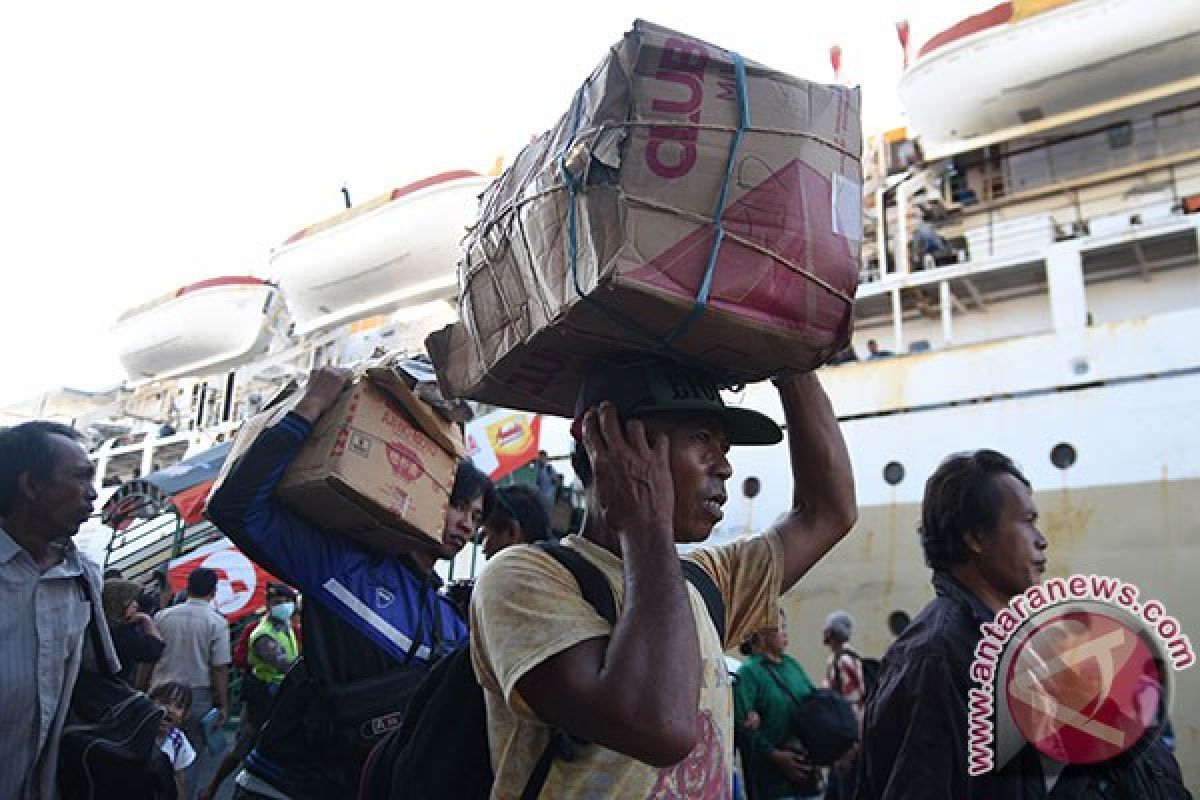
499	534
63	501
699	443
1013	558
461	524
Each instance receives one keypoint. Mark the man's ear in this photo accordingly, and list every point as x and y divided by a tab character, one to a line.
27	486
975	541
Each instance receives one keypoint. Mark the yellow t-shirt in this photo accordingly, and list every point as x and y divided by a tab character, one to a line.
526	607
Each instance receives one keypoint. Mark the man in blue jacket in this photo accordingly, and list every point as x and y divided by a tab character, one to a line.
372	624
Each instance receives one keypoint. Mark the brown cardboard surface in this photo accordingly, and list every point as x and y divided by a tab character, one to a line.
648	152
369	473
446	433
371	470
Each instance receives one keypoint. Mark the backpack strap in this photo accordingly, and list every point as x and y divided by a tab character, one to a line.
697	576
98	619
594	586
592	583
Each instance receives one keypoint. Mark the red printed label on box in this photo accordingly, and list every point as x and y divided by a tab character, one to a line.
405	462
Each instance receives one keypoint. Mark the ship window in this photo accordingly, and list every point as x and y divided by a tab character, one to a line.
1062	455
893	473
897	621
1120	135
751	487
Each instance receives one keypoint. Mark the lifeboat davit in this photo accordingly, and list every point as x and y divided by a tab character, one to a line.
400	249
203	328
1025	61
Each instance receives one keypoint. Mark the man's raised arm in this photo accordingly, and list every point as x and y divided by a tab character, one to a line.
824	508
612	691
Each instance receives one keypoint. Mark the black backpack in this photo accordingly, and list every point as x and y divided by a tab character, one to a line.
440	750
826	725
823	721
109	747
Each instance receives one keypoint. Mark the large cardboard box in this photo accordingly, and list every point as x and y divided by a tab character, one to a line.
599	238
378	467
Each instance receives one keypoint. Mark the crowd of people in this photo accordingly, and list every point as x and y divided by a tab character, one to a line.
575	705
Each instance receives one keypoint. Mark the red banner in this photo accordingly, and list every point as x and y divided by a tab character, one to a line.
241	584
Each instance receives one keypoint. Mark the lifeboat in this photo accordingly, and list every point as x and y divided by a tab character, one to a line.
200	329
400	249
1032	62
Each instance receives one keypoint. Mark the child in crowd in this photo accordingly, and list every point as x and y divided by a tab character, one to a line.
175	699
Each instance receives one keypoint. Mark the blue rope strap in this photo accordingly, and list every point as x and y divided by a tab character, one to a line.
739	69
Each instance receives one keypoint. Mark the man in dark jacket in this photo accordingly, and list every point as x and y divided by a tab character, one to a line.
979	534
372	625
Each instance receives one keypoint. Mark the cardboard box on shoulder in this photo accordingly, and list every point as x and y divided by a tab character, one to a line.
601	238
378	467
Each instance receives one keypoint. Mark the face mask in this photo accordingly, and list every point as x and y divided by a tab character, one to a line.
283	612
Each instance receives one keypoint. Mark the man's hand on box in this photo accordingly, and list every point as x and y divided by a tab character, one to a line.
321	392
634	488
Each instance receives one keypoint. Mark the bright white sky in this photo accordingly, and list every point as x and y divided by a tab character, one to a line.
146	145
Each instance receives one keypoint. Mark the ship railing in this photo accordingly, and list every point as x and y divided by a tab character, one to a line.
1124	205
134	455
1145	243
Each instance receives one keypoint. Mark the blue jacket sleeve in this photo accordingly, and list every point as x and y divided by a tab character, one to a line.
244	507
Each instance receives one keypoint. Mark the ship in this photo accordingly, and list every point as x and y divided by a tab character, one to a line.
1030	283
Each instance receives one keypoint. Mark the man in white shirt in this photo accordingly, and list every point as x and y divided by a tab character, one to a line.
197	655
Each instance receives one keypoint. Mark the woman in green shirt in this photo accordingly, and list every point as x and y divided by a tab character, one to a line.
769	686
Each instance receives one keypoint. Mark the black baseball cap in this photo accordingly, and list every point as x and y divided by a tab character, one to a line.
640	385
281	590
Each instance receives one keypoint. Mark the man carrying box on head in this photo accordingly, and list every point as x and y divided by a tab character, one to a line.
372	624
650	693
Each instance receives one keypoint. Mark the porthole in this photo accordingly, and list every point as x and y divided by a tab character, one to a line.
897	621
893	473
1063	455
751	487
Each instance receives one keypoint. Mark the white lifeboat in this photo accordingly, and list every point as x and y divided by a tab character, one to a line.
200	329
400	249
1027	63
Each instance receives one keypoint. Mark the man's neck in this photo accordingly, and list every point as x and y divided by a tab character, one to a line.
774	658
976	584
45	551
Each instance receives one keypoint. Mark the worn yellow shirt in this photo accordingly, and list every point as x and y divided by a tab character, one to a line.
527	607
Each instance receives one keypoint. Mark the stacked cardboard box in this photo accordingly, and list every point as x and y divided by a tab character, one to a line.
378	467
599	238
